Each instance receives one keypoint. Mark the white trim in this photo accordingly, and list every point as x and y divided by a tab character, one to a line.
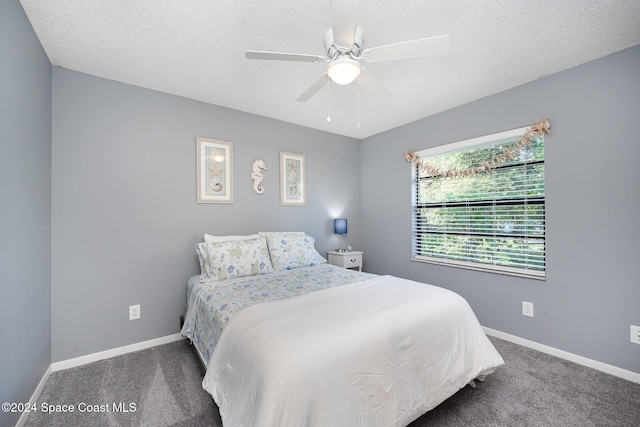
454	146
491	268
603	367
34	397
89	358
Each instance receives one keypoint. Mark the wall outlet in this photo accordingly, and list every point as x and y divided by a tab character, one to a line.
134	312
635	334
527	309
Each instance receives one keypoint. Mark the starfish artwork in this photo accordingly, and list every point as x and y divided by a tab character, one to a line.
293	178
215	171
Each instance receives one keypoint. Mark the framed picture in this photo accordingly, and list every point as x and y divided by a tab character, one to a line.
292	179
214	171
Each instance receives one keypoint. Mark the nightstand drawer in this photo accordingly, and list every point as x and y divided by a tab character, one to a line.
352	260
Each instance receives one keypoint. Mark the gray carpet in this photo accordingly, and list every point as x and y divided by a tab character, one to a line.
164	385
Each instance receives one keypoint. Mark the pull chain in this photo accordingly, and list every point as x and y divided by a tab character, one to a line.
358	105
328	94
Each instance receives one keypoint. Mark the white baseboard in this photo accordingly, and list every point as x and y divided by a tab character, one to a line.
34	397
609	369
94	357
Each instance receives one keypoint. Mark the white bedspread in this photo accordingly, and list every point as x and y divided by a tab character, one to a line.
375	353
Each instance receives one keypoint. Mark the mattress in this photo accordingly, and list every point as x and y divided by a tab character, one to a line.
212	304
378	352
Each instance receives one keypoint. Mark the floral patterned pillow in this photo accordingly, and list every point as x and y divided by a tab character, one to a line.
292	250
233	258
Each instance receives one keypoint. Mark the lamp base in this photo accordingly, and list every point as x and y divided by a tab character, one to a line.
340	250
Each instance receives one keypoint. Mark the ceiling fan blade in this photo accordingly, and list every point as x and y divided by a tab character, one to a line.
344	21
279	56
410	49
314	88
372	85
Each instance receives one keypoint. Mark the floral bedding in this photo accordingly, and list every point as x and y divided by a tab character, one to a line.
212	304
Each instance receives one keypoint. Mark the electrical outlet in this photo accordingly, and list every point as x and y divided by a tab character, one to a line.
527	309
134	312
635	334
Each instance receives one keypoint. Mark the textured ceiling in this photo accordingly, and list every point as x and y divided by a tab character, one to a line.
195	49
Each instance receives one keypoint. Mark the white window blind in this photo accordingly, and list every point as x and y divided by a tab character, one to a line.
491	220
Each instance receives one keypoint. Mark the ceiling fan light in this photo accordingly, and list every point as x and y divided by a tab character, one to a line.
344	70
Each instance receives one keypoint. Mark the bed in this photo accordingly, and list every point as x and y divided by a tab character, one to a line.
290	340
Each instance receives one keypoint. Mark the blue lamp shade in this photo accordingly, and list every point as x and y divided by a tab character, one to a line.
340	226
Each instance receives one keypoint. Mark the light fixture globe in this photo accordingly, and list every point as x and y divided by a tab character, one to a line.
343	70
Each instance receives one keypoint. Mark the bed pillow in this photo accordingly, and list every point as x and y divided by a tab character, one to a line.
211	238
292	250
233	258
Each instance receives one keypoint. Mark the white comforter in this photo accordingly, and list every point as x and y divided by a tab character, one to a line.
375	353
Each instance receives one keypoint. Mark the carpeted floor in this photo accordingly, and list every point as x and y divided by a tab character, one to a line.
161	386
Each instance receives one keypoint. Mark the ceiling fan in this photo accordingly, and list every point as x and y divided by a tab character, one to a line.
343	45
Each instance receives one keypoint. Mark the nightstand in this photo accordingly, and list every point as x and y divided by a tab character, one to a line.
351	259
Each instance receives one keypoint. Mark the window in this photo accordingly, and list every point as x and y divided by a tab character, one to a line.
480	204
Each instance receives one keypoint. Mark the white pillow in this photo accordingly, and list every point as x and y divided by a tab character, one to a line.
292	250
273	233
233	258
210	238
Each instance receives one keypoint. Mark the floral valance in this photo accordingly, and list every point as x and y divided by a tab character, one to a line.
532	133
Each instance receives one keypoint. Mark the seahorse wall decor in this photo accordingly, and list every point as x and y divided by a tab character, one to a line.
256	174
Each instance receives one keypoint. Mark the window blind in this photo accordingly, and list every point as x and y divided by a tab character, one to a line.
490	220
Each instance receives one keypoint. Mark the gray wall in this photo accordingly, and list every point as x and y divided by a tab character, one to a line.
592	291
25	209
125	217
